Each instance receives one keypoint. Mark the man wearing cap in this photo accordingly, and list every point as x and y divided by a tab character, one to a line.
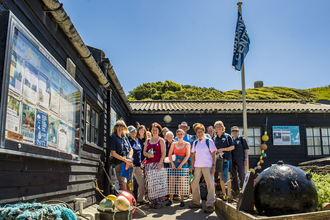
240	158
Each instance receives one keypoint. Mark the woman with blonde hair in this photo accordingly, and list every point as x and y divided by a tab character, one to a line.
181	149
224	144
121	151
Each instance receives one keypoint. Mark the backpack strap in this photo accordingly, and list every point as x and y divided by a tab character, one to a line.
207	143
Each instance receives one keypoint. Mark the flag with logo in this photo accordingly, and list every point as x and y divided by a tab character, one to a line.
241	44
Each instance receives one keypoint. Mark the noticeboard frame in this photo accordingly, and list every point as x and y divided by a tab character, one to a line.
20	148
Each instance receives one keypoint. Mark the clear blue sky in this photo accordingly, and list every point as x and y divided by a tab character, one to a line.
191	41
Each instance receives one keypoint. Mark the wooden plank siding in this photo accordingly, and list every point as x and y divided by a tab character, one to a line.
30	179
289	154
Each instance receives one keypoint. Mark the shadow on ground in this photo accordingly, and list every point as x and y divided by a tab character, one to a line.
176	212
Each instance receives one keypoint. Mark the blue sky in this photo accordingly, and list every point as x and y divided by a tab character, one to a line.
191	41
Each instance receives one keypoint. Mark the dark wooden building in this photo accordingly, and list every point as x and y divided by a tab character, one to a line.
311	121
41	49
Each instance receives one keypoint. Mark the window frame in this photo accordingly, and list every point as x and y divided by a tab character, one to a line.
321	139
254	150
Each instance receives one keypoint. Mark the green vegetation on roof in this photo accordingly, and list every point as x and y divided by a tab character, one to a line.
169	90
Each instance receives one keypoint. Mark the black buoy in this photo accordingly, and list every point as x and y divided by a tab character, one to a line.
284	189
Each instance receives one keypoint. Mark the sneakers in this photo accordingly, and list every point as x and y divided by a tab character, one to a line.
209	209
195	205
182	204
169	203
158	206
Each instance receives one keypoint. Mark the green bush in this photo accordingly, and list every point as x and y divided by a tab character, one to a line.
322	183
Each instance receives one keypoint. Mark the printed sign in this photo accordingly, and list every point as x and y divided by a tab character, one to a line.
286	135
41	129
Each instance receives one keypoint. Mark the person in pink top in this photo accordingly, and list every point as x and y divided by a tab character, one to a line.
154	162
203	162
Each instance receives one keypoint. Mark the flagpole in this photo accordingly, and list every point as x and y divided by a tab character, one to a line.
243	96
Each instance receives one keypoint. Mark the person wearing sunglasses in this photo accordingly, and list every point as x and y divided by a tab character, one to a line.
121	151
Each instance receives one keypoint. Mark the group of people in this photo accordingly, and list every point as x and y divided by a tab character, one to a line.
130	146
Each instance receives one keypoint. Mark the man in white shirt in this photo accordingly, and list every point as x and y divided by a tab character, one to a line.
203	162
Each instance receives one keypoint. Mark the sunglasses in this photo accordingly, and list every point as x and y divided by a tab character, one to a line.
121	126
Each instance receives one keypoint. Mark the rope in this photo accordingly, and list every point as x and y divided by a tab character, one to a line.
36	211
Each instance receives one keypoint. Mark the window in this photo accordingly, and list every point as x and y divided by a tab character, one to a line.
253	139
318	140
92	125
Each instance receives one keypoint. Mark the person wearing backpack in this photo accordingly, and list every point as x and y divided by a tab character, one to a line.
240	158
203	163
224	144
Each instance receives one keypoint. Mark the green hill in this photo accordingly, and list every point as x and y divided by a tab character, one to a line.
169	90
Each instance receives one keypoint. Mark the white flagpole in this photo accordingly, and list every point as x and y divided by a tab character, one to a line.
243	96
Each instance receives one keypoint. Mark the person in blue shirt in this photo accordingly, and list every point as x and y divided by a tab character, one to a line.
120	150
137	171
184	126
224	143
240	158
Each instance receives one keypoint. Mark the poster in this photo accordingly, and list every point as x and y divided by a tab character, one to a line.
12	119
44	90
44	67
113	119
286	135
64	103
32	56
54	103
16	73
30	83
52	137
62	137
73	148
27	125
19	43
41	129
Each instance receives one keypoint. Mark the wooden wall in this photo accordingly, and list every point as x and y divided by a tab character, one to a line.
30	179
289	154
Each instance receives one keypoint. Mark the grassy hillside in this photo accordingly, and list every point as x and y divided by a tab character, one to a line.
172	91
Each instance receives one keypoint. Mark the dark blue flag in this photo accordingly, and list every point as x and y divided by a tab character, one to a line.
241	44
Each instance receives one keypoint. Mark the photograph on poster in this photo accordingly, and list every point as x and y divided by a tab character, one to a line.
32	55
52	138
44	90
64	91
30	83
27	125
41	129
12	119
45	66
16	73
73	148
54	103
20	43
62	137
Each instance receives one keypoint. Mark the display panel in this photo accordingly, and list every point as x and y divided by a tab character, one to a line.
286	135
43	103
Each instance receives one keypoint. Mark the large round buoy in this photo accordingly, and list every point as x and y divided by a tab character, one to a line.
130	198
122	203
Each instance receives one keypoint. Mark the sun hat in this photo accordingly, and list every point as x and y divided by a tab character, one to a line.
184	124
234	128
